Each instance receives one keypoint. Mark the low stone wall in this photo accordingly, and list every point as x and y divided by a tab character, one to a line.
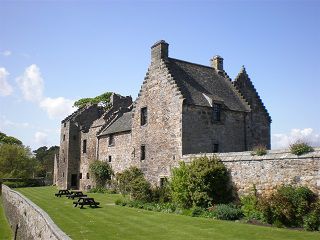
277	167
32	221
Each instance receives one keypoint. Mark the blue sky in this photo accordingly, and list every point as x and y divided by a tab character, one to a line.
55	52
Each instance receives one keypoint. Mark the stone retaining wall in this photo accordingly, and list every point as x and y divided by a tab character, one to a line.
32	221
276	168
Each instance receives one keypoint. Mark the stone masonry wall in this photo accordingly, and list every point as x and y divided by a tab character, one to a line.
266	172
200	133
120	152
161	136
32	221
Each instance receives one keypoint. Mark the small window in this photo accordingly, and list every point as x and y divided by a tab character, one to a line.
143	152
84	146
88	176
163	182
215	147
64	124
216	112
63	174
144	116
80	175
64	159
74	137
64	137
111	140
109	158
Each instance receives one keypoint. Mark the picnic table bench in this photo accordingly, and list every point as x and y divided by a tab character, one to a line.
62	192
76	194
86	201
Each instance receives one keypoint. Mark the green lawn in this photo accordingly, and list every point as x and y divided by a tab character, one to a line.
5	230
115	222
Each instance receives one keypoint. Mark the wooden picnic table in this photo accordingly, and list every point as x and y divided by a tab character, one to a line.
62	192
86	201
76	194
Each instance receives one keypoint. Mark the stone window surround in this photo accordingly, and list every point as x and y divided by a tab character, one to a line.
142	152
84	146
111	141
143	116
216	112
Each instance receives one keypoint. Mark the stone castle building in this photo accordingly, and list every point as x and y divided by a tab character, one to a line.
182	108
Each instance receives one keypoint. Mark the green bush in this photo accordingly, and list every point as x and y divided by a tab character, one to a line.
125	179
197	211
299	148
311	222
203	182
227	212
250	208
98	190
259	150
161	194
16	184
141	190
101	172
288	205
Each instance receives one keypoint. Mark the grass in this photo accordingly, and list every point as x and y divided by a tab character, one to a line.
5	230
115	222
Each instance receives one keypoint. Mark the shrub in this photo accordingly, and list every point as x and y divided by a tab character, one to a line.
161	194
250	207
311	222
125	179
98	190
179	186
16	184
121	202
288	205
227	212
141	189
197	211
259	150
101	172
208	182
299	148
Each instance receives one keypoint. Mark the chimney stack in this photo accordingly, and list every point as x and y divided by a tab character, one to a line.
217	63
159	50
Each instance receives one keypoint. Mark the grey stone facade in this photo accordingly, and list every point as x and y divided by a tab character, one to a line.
182	108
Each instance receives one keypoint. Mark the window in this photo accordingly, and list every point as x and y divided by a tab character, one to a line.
144	116
163	182
64	124
215	147
111	140
109	158
80	175
84	146
216	112
64	159
74	137
143	152
88	176
64	137
63	174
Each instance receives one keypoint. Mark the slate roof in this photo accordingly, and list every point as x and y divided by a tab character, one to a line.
122	124
200	83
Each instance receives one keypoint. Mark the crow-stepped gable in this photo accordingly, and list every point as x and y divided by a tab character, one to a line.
182	108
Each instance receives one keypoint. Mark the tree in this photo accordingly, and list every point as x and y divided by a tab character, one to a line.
104	99
16	161
45	159
8	139
101	172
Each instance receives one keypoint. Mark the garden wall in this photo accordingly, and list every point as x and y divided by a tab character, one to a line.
32	221
266	172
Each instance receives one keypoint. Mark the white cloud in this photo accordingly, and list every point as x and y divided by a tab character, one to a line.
31	83
6	53
57	107
41	138
5	87
283	140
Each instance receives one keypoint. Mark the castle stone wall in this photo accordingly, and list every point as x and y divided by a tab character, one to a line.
161	136
267	172
200	133
120	152
32	221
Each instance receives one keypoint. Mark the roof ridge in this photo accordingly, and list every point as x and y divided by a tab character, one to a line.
197	64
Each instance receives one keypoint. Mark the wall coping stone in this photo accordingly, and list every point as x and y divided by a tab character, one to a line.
58	233
283	154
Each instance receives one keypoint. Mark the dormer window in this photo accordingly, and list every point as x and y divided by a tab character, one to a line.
216	112
144	116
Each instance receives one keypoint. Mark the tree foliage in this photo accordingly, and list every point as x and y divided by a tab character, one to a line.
16	161
103	99
4	139
101	172
205	181
45	159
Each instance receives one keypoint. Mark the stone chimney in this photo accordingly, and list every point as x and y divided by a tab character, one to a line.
159	50
217	63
